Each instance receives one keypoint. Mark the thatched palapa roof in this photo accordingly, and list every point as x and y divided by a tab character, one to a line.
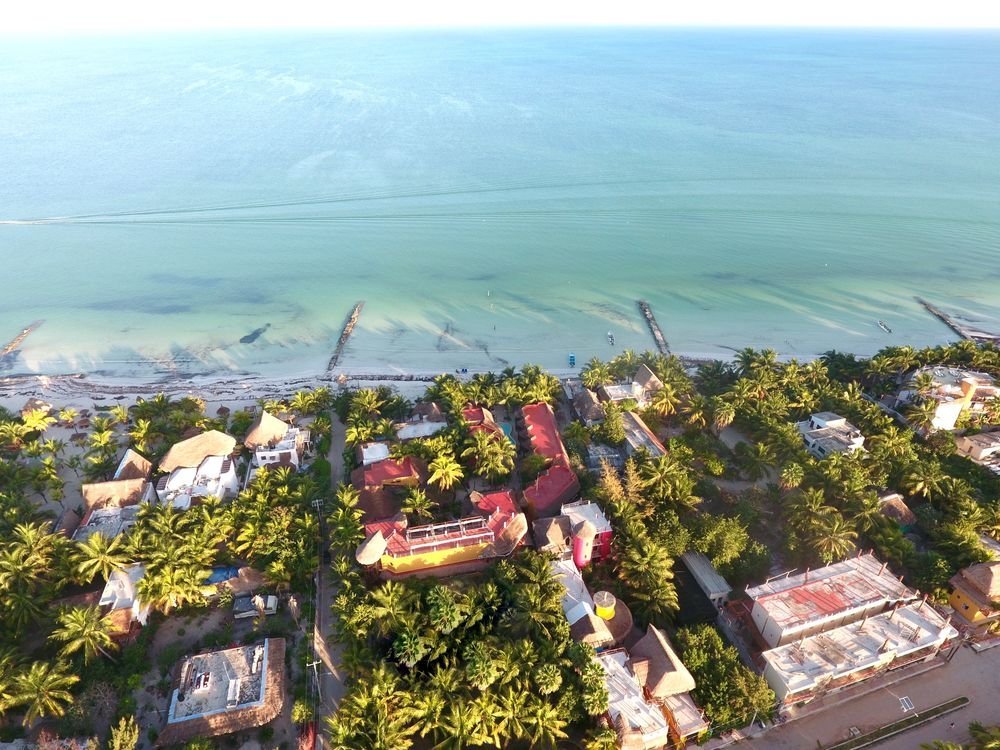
983	578
266	431
118	493
647	379
191	452
134	466
663	672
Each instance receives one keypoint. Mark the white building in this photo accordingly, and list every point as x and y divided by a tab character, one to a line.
215	476
826	433
954	389
819	664
714	586
120	592
274	442
980	447
792	607
371	453
637	722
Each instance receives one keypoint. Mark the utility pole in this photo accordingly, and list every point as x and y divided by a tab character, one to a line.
319	691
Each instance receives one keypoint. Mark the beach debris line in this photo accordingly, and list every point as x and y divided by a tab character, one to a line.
966	332
345	334
654	327
15	343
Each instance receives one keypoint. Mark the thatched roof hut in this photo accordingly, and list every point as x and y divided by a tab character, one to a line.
194	450
266	431
657	666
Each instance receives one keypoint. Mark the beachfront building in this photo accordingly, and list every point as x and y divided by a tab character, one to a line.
983	447
396	549
638	437
276	443
557	483
425	420
220	692
120	600
975	597
667	683
201	466
640	725
643	385
713	585
792	607
826	433
809	667
955	390
581	531
129	485
587	407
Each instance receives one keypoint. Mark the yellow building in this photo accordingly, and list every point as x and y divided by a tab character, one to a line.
399	549
975	597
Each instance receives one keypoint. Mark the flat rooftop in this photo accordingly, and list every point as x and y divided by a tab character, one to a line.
625	700
576	601
206	681
840	587
109	522
226	691
855	647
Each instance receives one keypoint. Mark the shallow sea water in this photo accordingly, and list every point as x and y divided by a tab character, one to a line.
494	197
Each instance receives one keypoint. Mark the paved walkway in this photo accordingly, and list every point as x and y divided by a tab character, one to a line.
974	675
331	678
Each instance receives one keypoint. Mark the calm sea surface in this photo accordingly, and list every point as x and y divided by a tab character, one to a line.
494	197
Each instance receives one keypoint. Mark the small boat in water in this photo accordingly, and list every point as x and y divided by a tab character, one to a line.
611	338
572	359
884	327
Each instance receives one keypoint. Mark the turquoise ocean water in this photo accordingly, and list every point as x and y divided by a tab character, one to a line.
494	197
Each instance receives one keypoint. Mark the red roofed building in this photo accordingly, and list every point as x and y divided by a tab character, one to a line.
400	550
481	419
557	484
375	480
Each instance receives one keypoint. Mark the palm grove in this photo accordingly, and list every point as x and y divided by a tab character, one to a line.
53	657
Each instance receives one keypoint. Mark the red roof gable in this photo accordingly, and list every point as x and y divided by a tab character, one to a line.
543	432
390	470
553	487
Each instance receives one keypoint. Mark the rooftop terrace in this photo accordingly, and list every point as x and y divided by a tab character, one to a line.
816	594
858	646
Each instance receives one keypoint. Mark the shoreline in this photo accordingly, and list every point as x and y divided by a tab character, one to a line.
228	387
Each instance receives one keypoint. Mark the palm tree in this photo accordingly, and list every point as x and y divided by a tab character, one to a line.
791	476
922	415
37	420
44	689
417	504
834	539
544	724
140	434
10	667
809	510
665	401
924	478
68	415
723	413
696	411
446	472
84	629
595	374
172	586
99	555
358	432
